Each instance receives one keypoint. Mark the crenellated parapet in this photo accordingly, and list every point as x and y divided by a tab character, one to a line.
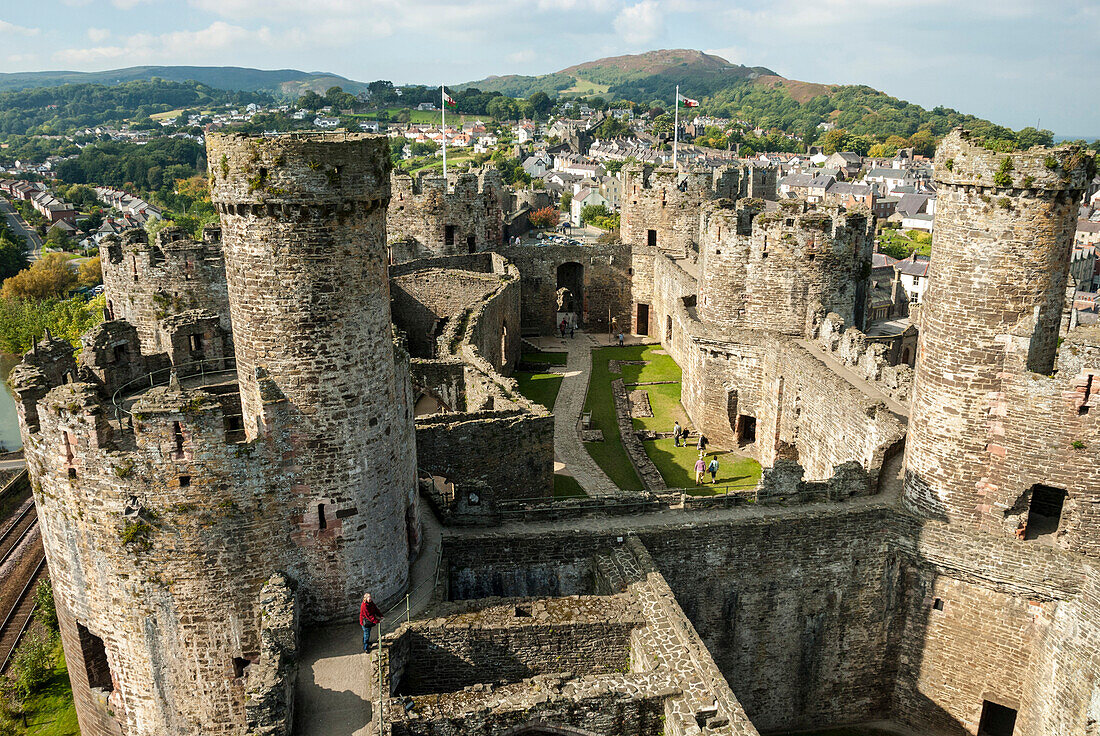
783	269
434	216
147	281
661	205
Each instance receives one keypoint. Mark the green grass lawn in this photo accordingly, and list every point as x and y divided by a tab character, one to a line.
610	454
676	465
542	388
542	357
51	711
566	486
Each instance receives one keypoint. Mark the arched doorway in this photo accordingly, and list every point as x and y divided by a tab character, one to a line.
570	293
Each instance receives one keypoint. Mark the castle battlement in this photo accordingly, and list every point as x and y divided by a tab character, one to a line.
432	216
749	258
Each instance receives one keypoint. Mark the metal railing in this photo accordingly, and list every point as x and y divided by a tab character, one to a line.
203	370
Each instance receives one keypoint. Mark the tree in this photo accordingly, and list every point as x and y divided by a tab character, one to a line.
540	104
13	258
545	217
90	273
310	100
47	278
566	200
503	108
591	212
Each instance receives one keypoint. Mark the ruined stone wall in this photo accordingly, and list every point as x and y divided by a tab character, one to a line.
304	236
641	291
1062	691
989	332
511	640
800	649
802	408
606	281
781	270
145	282
443	379
511	452
666	201
875	359
433	216
423	301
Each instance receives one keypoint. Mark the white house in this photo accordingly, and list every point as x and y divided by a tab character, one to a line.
913	275
581	199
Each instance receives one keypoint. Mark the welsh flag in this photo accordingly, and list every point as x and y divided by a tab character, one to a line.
688	102
448	99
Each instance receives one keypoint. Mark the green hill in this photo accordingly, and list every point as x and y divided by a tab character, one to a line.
282	82
756	95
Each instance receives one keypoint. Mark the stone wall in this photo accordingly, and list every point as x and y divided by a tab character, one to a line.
798	612
509	452
875	359
269	706
145	282
433	216
607	274
507	641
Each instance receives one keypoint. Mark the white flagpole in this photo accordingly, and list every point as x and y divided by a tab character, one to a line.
443	123
676	131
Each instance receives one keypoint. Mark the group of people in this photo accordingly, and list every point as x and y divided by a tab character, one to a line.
702	467
567	327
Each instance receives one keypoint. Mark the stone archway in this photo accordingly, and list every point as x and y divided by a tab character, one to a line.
570	293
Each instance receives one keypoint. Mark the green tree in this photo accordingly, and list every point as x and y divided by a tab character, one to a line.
503	108
48	277
13	257
566	200
592	212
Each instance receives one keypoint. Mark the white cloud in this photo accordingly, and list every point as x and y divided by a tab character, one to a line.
639	24
10	29
174	47
98	35
522	57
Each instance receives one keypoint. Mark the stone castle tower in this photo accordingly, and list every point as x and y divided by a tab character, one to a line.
432	216
660	206
1005	424
308	215
176	532
782	270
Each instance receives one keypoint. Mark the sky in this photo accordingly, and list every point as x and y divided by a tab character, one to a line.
1016	62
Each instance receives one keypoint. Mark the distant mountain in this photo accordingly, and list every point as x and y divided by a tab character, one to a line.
632	76
752	93
283	82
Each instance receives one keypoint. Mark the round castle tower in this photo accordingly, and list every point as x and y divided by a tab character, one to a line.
780	270
304	237
990	322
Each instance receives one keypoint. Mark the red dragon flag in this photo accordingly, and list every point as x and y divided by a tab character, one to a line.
688	102
448	99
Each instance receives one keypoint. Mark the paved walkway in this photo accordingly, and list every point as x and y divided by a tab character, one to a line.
568	448
337	692
855	379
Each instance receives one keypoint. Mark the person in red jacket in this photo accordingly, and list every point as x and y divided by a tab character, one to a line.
369	616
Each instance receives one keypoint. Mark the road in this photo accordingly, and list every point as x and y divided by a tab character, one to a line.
15	220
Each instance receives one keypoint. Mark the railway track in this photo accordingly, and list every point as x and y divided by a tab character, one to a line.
19	617
12	536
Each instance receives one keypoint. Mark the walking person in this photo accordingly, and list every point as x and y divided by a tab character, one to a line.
700	470
621	338
703	442
369	617
712	467
676	432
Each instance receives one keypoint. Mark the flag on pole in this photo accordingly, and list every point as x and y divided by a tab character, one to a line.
448	99
688	102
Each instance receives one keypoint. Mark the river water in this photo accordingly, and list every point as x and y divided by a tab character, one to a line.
9	423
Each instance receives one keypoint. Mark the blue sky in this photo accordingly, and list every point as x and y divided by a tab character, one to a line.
1013	61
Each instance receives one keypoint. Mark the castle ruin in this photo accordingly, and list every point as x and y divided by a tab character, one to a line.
218	476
